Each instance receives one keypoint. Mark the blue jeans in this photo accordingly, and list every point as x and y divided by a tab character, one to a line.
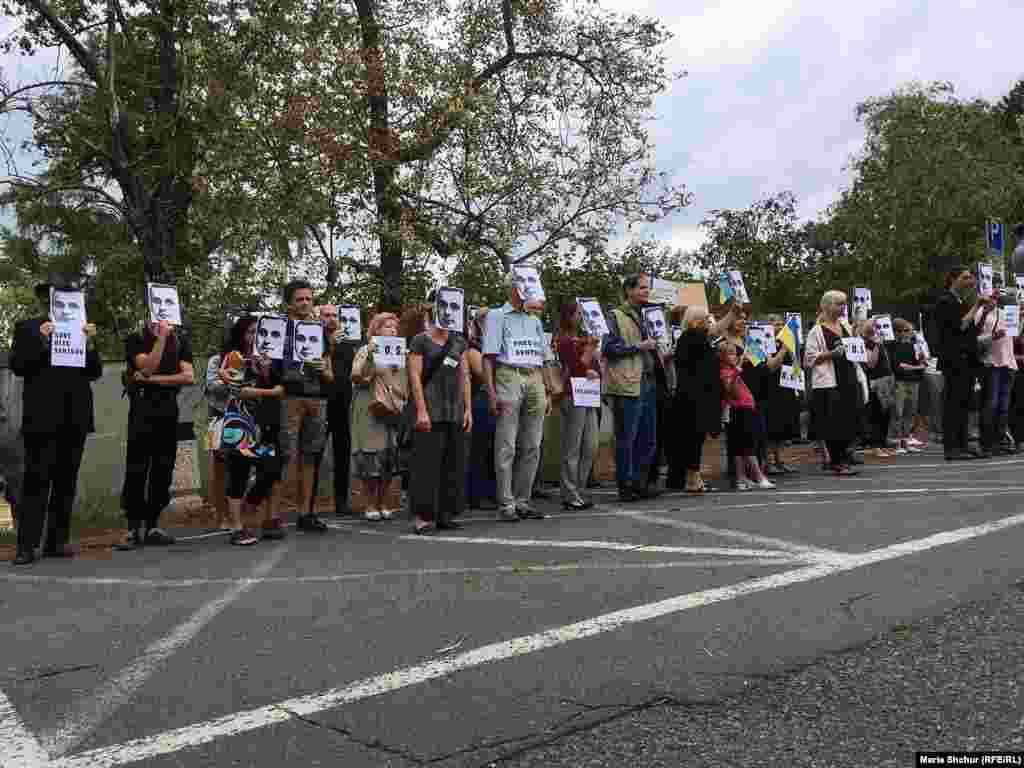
995	406
636	425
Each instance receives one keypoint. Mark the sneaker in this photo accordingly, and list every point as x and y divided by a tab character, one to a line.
508	516
243	538
310	523
765	483
532	514
158	538
743	485
132	540
387	514
898	452
373	515
273	529
913	442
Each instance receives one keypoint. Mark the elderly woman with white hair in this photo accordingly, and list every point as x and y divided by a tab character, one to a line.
697	409
836	393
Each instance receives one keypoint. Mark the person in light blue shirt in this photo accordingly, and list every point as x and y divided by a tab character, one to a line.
514	351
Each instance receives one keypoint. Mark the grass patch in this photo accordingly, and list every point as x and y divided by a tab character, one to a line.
97	512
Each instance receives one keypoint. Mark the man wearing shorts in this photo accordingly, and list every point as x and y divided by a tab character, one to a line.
304	409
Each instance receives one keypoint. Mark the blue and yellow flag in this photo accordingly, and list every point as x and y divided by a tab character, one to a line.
789	337
724	289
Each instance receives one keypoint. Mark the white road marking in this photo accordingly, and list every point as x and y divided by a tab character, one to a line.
241	722
18	747
727	533
328	578
614	546
90	712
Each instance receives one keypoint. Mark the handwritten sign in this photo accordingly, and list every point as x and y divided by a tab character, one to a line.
856	352
389	351
586	393
526	351
792	377
67	342
883	327
1012	320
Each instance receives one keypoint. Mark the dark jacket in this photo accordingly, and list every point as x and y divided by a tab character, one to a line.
698	385
54	399
341	360
958	347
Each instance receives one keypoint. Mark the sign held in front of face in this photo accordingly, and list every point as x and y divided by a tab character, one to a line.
270	333
593	318
984	279
350	322
527	282
861	303
67	342
654	319
389	351
856	352
448	304
883	327
309	342
164	303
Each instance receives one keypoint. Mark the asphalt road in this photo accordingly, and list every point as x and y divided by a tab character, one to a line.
829	622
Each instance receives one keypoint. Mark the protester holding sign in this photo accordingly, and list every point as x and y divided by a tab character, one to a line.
579	423
882	386
57	414
378	399
342	345
908	368
159	365
439	384
998	366
780	407
836	398
481	485
744	427
958	358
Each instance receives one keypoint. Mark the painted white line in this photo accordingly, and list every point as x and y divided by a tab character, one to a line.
726	533
331	578
101	704
241	722
18	747
614	546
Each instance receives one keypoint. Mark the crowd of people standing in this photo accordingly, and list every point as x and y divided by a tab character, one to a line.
462	421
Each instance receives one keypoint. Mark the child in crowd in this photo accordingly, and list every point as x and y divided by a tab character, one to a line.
743	434
908	365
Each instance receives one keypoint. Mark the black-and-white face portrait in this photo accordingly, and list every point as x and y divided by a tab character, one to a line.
309	342
527	282
350	322
448	312
164	303
593	317
67	306
654	318
270	333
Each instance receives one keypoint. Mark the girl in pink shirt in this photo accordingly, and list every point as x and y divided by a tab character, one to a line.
743	427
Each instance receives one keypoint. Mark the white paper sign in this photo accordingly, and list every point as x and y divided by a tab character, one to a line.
586	393
448	308
677	332
1020	287
593	317
548	339
883	327
921	345
984	279
309	342
856	352
664	292
654	319
471	313
270	333
1012	320
792	378
389	350
739	290
164	303
350	321
67	341
768	337
527	282
861	303
526	351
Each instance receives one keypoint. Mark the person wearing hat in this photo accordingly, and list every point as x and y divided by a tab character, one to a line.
57	414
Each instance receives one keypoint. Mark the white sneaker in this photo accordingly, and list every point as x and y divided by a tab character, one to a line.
387	514
912	449
898	451
743	485
765	483
913	442
372	515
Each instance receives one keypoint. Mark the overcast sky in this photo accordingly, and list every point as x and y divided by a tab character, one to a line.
768	104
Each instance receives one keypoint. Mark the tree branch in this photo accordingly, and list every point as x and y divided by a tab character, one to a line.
84	58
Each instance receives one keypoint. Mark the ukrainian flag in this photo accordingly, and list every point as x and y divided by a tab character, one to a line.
724	289
788	337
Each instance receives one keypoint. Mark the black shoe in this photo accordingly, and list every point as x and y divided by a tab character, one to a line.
134	540
983	454
24	558
647	492
449	526
575	506
343	511
158	538
540	493
533	514
311	524
593	484
68	551
626	495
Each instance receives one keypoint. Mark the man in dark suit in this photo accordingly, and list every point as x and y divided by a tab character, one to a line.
56	417
339	403
958	359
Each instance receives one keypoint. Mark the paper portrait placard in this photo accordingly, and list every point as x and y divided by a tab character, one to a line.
586	393
755	350
1019	279
67	342
350	322
593	316
527	282
308	341
856	352
984	279
1012	320
471	313
389	350
921	345
164	303
448	308
739	289
654	318
861	303
270	334
664	292
883	327
792	377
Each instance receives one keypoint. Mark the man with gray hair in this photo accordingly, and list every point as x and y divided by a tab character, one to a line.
514	351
